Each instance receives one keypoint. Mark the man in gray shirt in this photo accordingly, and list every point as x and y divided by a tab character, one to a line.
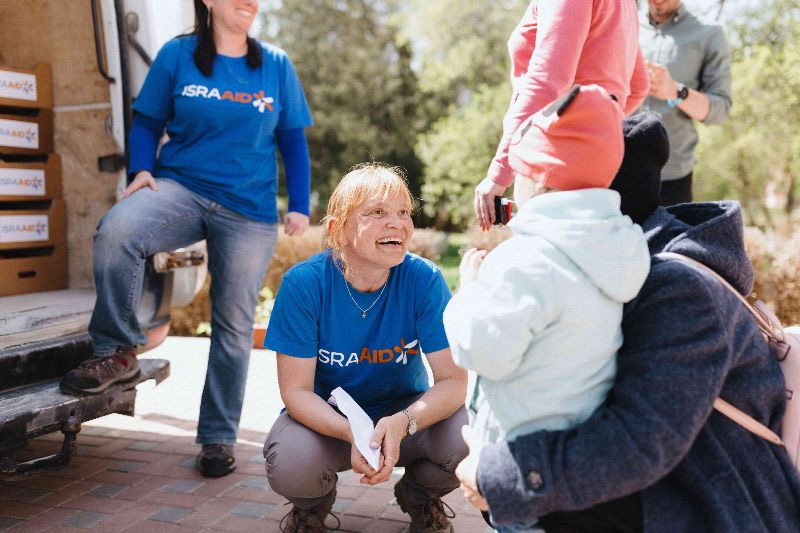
690	79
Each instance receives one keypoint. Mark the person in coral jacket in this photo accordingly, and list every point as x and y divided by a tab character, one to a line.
557	44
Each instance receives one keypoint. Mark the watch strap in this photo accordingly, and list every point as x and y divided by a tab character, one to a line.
683	93
412	421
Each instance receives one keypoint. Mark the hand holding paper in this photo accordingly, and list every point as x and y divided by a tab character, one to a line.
360	425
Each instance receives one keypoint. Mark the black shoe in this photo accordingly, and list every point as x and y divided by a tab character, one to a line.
216	460
95	375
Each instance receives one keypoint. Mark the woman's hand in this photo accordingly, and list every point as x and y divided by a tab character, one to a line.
295	223
467	470
484	202
470	263
142	179
360	464
389	431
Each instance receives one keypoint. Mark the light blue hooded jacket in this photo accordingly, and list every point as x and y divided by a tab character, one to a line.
541	324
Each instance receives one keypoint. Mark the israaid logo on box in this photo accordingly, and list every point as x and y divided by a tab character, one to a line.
19	134
23	228
21	182
17	85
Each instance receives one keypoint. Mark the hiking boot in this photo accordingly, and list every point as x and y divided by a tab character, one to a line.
430	517
95	375
310	520
216	460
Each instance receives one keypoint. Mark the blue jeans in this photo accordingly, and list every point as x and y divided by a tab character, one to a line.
239	251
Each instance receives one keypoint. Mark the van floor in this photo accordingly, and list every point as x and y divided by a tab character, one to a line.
40	316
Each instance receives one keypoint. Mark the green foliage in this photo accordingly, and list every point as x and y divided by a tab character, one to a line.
461	45
266	300
358	80
424	85
755	156
457	151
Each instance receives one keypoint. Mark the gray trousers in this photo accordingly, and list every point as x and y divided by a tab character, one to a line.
302	464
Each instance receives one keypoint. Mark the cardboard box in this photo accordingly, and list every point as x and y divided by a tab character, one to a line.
30	182
33	228
27	134
27	88
21	275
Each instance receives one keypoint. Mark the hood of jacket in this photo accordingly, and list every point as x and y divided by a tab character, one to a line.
587	226
711	233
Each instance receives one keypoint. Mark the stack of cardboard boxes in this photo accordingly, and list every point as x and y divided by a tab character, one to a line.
33	249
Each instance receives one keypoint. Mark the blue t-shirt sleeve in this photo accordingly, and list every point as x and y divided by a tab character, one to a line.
155	97
293	325
297	164
294	112
144	136
432	295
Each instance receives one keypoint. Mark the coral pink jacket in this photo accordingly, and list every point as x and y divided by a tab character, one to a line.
559	43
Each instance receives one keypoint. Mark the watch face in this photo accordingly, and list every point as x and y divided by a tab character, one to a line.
683	91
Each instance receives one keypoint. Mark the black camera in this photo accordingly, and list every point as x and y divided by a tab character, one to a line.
503	210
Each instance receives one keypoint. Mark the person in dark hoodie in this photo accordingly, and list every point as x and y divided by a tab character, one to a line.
657	457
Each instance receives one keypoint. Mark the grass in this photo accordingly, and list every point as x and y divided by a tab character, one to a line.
451	259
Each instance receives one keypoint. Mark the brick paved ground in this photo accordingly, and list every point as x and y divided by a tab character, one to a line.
141	478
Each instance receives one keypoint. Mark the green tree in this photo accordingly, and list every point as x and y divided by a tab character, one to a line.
755	155
358	79
461	48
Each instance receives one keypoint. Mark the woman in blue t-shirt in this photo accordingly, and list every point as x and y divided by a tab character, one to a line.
359	316
226	101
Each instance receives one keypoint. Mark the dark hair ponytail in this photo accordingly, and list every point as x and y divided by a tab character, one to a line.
206	49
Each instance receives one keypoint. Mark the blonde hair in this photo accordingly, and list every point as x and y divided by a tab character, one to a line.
361	183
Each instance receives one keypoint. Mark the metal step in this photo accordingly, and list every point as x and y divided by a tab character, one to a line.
40	316
33	410
42	360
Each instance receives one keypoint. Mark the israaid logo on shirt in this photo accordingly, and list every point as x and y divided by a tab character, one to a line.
371	356
258	99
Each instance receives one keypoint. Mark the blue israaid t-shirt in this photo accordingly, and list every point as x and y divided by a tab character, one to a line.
376	359
222	128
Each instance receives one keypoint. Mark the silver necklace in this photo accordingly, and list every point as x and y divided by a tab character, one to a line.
364	311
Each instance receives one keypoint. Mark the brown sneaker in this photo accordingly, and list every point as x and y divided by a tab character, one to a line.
98	373
310	520
430	517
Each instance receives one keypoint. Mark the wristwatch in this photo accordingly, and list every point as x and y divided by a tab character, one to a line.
412	421
683	94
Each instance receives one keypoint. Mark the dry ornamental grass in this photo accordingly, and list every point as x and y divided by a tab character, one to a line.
775	258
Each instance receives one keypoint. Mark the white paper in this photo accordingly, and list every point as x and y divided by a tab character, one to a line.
360	424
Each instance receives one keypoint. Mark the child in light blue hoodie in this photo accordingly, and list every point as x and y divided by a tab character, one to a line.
539	318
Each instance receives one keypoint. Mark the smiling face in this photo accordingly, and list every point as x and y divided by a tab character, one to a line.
378	233
233	15
369	222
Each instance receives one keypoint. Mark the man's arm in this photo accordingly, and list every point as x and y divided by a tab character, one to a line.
669	372
715	80
711	102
